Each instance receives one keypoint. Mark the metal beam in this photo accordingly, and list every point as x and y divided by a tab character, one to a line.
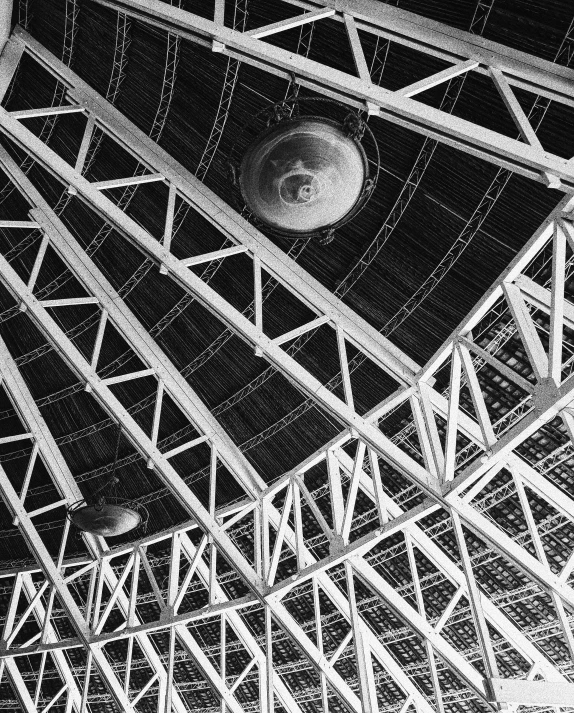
276	264
147	152
358	91
436	39
179	389
308	566
497	618
24	697
51	636
9	61
6	7
217	212
385	447
532	693
64	482
87	272
73	612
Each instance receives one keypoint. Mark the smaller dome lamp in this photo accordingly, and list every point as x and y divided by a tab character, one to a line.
103	513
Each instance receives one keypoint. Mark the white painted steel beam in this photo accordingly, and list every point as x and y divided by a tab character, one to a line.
51	636
117	313
46	111
66	485
532	693
73	612
506	444
358	91
308	566
405	611
288	24
6	7
445	42
88	273
243	632
179	622
277	264
225	606
90	276
401	460
220	215
9	61
497	618
24	697
511	274
314	653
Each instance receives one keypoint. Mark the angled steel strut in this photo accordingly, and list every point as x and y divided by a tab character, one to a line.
450	478
461	51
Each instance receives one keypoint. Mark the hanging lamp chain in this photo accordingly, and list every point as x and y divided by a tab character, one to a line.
113	480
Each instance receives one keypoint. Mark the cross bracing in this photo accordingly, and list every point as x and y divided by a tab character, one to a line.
464	54
283	518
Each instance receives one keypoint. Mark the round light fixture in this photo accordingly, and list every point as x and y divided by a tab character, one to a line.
104	519
107	515
303	175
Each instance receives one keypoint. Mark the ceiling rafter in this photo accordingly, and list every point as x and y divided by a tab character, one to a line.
181	393
516	69
551	393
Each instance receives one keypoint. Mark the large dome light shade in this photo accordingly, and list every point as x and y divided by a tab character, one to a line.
303	176
105	520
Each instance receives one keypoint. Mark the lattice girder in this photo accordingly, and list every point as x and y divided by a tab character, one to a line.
274	514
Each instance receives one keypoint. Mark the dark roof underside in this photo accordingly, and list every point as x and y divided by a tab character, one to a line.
265	415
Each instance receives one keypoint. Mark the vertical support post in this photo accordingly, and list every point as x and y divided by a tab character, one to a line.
452	415
85	145
11	52
319	634
222	655
474	600
270	703
557	304
219	13
170	666
364	663
336	492
422	612
213	549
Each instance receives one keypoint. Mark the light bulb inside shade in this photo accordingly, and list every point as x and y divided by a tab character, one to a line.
302	176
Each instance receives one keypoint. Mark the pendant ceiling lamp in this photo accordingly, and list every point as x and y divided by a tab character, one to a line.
104	513
104	518
304	174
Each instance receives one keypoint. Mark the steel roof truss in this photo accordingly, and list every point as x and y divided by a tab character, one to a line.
505	66
118	313
550	392
45	445
48	638
391	359
446	42
453	572
216	211
286	620
53	574
83	367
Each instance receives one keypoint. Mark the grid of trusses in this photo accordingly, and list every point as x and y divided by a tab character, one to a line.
322	567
